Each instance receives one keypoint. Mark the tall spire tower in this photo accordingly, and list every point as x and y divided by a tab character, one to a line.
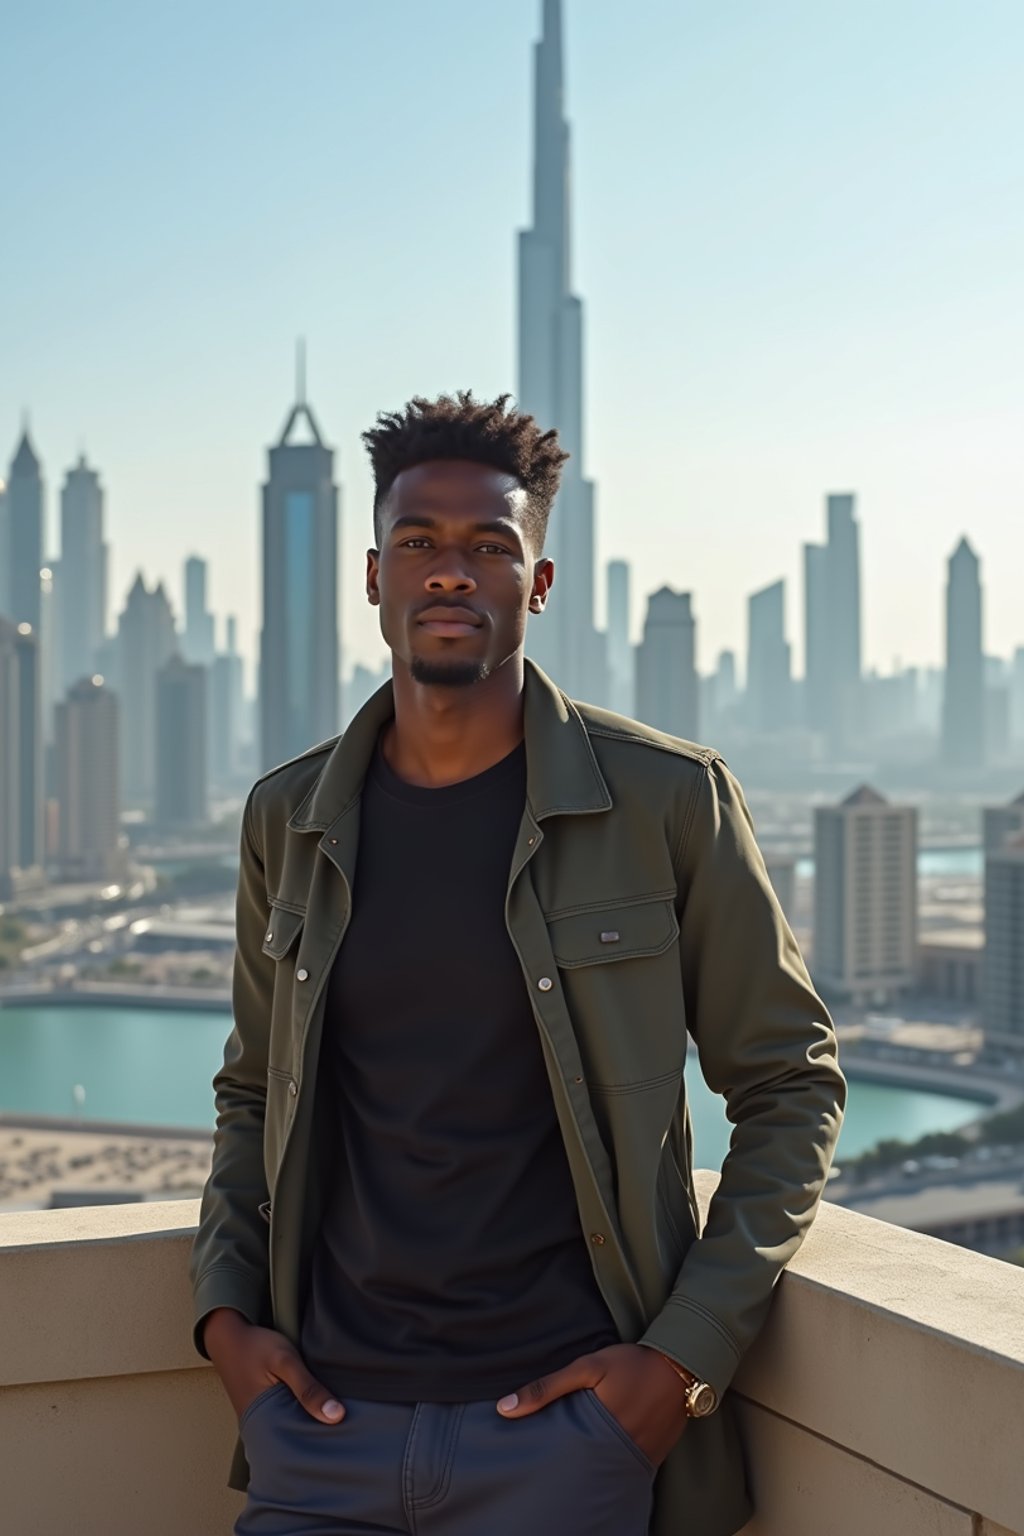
299	652
563	639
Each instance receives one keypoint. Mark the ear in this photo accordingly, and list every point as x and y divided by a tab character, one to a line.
372	577
543	579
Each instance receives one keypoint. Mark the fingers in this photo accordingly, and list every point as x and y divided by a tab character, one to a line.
580	1373
313	1395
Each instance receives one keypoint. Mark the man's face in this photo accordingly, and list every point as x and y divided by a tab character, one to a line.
456	573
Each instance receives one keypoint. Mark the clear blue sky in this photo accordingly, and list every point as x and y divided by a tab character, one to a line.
799	233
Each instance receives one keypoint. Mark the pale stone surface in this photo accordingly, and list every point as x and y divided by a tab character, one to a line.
884	1395
905	1350
140	1455
96	1291
803	1486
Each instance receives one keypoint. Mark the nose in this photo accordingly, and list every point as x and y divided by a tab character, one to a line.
450	574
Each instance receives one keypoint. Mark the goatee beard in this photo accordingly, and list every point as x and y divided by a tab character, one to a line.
447	674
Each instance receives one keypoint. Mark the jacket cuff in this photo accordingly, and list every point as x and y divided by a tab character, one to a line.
223	1286
694	1340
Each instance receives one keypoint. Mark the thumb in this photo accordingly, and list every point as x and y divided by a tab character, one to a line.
537	1394
318	1402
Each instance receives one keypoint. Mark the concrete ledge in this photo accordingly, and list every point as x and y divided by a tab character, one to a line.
885	1394
96	1291
906	1351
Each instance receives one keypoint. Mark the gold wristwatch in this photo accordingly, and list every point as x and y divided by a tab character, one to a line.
701	1398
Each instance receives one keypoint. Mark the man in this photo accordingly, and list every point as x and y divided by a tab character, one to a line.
449	1265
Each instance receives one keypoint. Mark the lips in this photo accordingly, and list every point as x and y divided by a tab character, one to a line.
449	621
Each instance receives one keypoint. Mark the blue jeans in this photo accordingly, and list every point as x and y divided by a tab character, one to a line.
442	1469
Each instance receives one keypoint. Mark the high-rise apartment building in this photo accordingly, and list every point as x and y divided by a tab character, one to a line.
1000	823
89	845
299	653
25	535
1017	698
1003	970
146	640
563	639
197	640
769	671
963	704
832	632
5	551
82	582
181	748
619	648
667	693
21	761
226	707
865	897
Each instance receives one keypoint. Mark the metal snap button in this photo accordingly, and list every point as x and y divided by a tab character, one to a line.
597	1238
293	1089
545	983
269	937
302	975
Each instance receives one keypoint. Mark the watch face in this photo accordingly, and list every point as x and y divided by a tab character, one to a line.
703	1401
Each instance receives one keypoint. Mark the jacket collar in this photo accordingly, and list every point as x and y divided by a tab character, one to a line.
562	773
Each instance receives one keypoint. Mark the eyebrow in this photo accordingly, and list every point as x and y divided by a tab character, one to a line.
507	529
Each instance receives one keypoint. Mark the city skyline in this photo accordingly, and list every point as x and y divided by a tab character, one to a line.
769	320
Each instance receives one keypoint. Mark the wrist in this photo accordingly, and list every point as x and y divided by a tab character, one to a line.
699	1397
221	1324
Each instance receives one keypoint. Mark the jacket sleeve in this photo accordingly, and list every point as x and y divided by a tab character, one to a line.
767	1044
230	1264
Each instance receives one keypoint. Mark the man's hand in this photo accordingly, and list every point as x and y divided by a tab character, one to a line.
635	1384
248	1359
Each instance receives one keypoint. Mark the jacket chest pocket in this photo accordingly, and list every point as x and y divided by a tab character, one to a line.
283	930
281	942
619	965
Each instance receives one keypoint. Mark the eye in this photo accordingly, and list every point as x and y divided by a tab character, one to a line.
416	542
494	549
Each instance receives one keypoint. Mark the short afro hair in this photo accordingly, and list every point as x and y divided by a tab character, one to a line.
459	427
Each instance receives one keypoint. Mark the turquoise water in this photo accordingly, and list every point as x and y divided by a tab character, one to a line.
156	1066
932	863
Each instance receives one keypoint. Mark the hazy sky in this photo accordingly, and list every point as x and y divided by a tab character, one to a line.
798	231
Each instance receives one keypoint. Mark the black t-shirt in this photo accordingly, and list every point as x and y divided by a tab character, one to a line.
450	1263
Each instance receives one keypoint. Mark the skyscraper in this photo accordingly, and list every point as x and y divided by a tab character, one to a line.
1000	823
82	582
550	344
145	641
1017	697
21	761
24	534
197	637
619	655
963	703
88	783
5	551
667	693
769	678
181	749
1002	1013
865	897
226	710
832	618
299	658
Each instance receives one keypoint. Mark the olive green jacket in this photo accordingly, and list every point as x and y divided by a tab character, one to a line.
628	832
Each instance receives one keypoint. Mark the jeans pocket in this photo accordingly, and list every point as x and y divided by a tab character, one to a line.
261	1397
609	1420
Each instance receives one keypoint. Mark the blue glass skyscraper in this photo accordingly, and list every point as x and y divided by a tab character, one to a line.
299	652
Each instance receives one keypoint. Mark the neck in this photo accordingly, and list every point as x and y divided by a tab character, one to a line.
444	735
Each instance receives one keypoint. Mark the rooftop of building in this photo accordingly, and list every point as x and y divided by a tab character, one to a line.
883	1395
